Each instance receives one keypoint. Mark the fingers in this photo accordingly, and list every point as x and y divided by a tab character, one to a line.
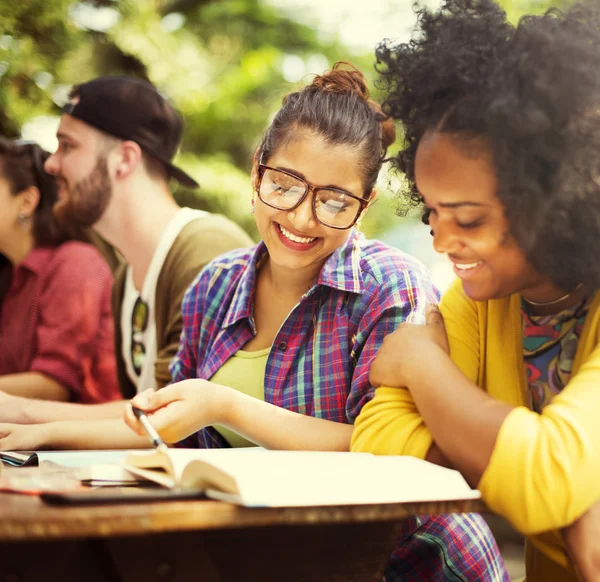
6	429
433	315
151	400
131	420
144	400
6	440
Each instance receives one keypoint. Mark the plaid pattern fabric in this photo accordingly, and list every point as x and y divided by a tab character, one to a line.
319	366
439	548
320	359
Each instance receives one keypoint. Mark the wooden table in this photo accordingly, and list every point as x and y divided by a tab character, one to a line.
204	541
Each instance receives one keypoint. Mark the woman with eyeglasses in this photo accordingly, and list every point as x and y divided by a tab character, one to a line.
277	340
56	329
502	147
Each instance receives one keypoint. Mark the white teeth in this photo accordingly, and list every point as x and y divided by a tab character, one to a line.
293	237
467	266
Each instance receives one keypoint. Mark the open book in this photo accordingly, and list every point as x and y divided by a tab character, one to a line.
256	477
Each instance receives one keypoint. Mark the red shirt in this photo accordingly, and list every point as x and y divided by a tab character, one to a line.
56	318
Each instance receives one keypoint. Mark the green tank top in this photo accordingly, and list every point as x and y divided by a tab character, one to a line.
245	372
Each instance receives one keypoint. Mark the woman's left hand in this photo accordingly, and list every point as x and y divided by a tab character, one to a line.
581	539
179	410
408	349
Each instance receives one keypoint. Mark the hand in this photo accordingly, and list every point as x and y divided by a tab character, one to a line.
179	410
581	538
12	408
23	437
408	349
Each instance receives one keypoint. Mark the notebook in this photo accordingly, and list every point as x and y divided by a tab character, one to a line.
256	477
91	468
64	458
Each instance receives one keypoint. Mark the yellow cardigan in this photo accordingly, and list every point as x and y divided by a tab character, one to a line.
545	468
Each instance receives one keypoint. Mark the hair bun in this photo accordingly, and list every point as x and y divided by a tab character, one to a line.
350	80
342	80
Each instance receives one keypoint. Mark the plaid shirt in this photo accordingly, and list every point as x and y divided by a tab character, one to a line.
441	548
320	359
319	366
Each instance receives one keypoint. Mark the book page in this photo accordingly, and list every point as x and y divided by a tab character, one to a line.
303	478
229	461
98	475
297	478
83	458
224	463
291	479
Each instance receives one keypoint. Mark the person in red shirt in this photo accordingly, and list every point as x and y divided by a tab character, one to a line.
56	327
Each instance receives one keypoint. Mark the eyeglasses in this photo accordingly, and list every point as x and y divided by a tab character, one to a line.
139	323
331	207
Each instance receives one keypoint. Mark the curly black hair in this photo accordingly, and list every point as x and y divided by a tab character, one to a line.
531	93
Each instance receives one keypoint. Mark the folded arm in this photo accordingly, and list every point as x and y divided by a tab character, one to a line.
538	470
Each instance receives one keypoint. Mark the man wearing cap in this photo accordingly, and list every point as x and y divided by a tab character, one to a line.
117	138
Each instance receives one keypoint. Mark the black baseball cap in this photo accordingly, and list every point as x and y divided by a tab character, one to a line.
132	109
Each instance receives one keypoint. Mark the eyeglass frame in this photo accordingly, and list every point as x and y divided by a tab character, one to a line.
364	202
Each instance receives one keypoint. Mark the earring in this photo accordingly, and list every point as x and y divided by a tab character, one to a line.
24	220
253	201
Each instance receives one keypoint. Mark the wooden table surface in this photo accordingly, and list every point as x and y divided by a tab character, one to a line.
24	517
200	541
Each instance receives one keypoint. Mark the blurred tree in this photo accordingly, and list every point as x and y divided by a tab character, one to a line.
517	8
223	63
34	36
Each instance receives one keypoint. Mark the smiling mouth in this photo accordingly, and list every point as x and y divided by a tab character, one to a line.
294	238
466	266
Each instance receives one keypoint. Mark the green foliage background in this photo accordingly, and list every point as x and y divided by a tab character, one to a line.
219	61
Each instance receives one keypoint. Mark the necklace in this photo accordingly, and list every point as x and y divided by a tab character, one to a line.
554	301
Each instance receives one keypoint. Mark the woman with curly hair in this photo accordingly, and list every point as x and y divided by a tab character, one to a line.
502	145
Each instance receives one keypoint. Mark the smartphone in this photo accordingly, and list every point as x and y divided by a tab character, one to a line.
104	495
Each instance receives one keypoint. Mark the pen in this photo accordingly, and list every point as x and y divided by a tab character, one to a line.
154	437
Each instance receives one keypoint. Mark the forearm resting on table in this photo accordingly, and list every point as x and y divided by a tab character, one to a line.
34	385
273	427
29	411
97	434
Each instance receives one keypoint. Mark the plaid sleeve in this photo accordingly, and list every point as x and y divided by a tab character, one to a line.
184	364
399	292
441	548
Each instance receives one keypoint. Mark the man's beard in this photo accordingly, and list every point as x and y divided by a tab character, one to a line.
85	203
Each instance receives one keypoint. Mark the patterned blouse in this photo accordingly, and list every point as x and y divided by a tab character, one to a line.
549	346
